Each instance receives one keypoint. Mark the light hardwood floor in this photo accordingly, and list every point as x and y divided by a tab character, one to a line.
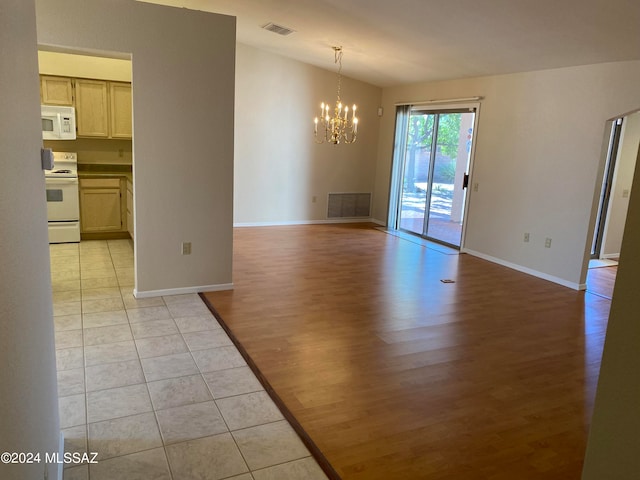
397	375
602	280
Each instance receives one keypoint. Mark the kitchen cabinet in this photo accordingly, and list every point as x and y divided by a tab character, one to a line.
92	108
101	205
103	108
56	90
120	110
130	221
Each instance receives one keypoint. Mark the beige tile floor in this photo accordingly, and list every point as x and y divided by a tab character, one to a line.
155	386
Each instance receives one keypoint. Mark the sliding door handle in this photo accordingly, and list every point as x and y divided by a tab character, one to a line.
465	180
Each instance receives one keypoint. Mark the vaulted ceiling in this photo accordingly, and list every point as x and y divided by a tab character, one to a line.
396	42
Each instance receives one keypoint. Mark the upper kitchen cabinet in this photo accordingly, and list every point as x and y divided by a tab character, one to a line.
120	112
56	90
92	108
103	108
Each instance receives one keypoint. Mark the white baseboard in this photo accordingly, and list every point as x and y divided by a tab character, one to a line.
182	290
304	222
528	271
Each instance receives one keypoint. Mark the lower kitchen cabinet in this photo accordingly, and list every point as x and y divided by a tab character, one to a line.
102	206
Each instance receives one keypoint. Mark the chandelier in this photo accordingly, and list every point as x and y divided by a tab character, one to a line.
339	128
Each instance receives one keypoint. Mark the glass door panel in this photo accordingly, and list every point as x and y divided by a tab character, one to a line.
415	180
451	161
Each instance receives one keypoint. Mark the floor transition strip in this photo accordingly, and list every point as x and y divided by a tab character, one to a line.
304	436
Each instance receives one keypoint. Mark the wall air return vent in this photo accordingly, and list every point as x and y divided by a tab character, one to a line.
349	205
279	29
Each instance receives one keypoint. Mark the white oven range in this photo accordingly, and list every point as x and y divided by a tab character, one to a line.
63	206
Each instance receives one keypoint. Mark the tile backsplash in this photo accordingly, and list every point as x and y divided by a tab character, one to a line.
95	150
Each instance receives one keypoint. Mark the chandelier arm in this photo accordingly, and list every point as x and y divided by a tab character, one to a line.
347	138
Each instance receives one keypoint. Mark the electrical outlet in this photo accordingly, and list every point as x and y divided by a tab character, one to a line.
186	248
314	199
625	193
547	243
475	187
526	237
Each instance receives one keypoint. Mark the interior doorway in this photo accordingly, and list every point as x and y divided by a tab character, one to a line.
98	86
622	142
605	191
433	151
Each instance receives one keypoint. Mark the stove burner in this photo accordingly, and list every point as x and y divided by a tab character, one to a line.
61	171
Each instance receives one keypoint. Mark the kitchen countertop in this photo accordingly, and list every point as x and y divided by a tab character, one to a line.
101	171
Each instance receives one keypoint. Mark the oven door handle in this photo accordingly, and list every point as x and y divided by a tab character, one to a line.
60	181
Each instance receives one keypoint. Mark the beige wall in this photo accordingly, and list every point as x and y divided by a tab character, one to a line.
623	176
278	166
28	389
84	66
612	451
183	106
538	160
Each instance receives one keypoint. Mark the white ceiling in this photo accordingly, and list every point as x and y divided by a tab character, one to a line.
397	42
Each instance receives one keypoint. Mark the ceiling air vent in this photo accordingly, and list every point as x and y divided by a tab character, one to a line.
279	29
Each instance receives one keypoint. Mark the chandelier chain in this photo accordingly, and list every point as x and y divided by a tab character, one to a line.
338	61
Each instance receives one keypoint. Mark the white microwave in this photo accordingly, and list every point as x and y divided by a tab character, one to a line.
58	123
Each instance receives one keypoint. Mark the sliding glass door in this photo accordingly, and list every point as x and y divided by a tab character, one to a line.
433	152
